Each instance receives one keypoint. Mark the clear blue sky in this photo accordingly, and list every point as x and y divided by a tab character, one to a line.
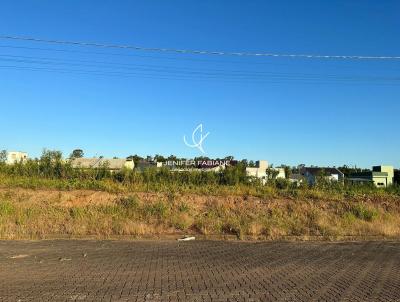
118	102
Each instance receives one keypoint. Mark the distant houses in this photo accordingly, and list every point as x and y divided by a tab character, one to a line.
264	172
146	164
112	164
380	176
312	174
13	157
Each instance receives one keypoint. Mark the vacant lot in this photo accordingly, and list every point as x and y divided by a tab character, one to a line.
198	271
40	213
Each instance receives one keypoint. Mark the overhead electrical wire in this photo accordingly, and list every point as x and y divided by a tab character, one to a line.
128	69
197	52
177	77
184	74
158	68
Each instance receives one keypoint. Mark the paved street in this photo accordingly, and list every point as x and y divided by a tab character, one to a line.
198	271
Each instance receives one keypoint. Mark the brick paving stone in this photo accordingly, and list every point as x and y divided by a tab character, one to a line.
80	270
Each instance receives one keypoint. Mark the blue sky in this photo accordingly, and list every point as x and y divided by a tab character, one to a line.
117	102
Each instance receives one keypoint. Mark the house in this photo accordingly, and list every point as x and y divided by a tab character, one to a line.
380	176
262	171
147	164
112	164
280	172
16	157
312	174
259	171
296	178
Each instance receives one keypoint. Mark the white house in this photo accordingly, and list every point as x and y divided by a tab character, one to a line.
15	157
260	171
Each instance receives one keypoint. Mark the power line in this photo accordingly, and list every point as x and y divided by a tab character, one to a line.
189	71
198	52
183	70
173	75
176	77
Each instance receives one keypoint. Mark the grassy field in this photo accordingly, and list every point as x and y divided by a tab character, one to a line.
42	208
46	197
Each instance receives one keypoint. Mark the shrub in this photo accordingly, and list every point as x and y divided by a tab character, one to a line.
158	210
130	202
363	212
282	183
6	208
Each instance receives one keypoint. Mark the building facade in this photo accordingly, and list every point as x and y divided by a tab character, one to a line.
263	171
16	157
380	176
313	174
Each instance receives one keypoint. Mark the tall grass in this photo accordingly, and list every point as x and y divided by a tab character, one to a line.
130	215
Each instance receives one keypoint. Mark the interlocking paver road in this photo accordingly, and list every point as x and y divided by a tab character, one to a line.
65	270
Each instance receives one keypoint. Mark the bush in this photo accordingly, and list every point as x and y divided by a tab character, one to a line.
282	183
158	210
6	208
130	202
363	212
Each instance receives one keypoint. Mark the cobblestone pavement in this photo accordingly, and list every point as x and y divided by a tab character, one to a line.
76	270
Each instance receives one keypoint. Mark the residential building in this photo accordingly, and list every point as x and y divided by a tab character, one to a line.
148	163
16	157
380	176
281	172
262	171
296	178
259	171
112	164
312	174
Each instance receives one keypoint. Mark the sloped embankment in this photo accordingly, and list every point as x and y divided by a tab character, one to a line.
27	213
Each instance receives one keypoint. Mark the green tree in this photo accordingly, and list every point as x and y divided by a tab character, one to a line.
3	156
201	158
288	171
159	158
172	158
136	158
77	153
271	173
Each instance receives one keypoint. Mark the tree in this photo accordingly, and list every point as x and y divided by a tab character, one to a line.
135	158
77	153
159	158
50	163
201	158
288	171
271	173
172	158
3	156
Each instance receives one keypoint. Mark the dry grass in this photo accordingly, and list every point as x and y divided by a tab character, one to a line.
34	213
